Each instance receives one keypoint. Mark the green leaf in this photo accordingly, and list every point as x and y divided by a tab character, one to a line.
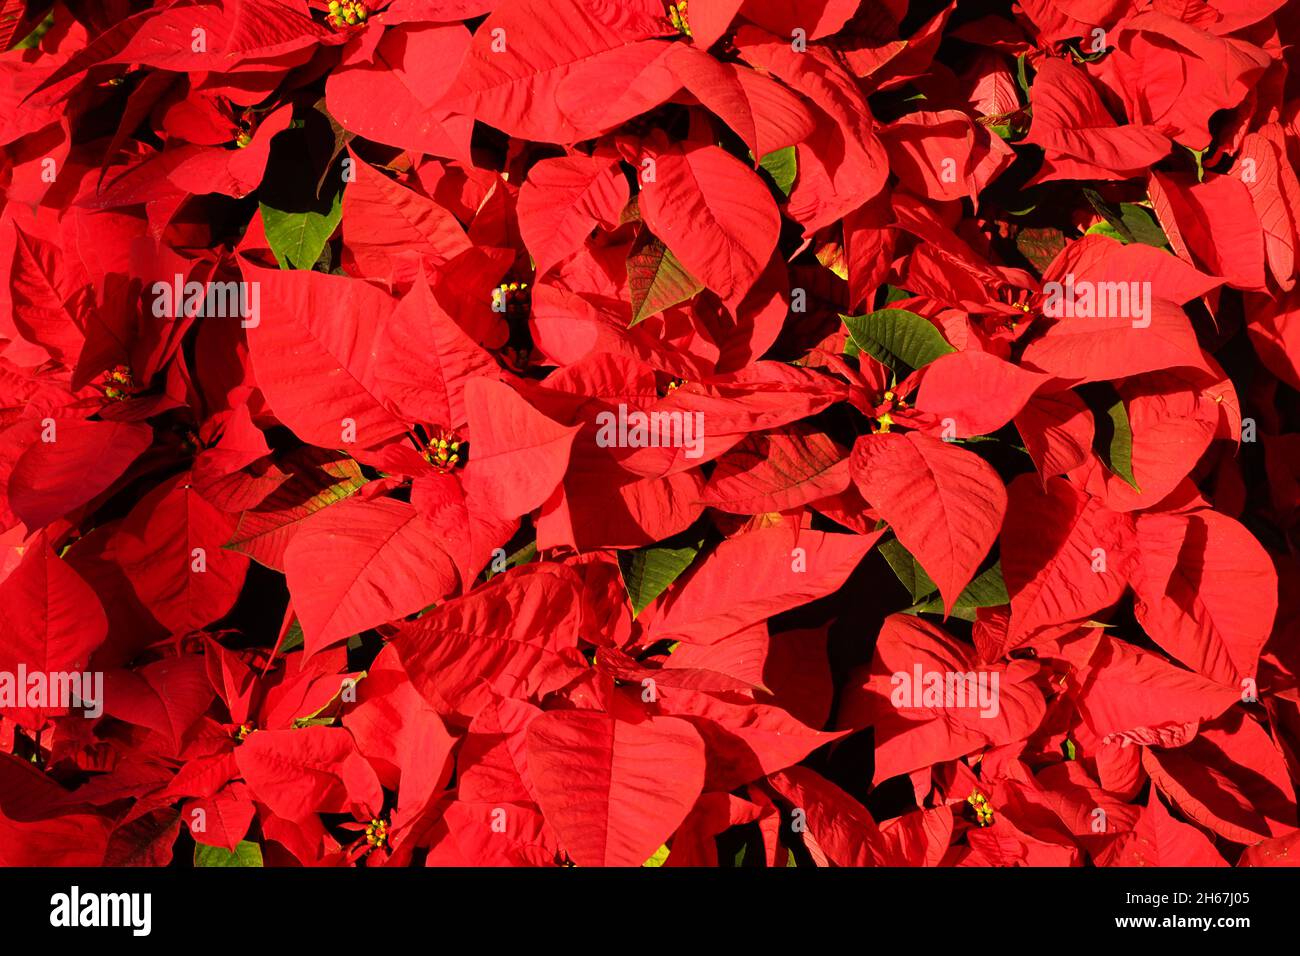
299	238
987	590
1112	434
647	572
246	853
658	859
1107	212
293	638
301	192
897	337
1107	230
782	166
33	39
1128	222
1142	225
656	278
908	569
1114	442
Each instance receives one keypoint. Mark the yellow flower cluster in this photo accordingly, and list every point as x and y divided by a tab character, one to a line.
347	13
377	832
443	453
983	809
118	383
677	16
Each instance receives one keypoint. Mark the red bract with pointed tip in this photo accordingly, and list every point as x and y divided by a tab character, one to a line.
572	432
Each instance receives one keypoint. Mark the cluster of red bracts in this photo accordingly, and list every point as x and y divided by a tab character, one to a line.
562	432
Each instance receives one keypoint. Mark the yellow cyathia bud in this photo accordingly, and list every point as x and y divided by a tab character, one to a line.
983	809
118	383
677	17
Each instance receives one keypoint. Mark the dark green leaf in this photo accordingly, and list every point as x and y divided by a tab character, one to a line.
1127	222
1143	225
647	572
987	590
293	638
898	338
1114	442
908	569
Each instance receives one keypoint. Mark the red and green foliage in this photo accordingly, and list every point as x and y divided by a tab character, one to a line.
968	336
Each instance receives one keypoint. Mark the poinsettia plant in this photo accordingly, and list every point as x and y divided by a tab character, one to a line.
573	432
